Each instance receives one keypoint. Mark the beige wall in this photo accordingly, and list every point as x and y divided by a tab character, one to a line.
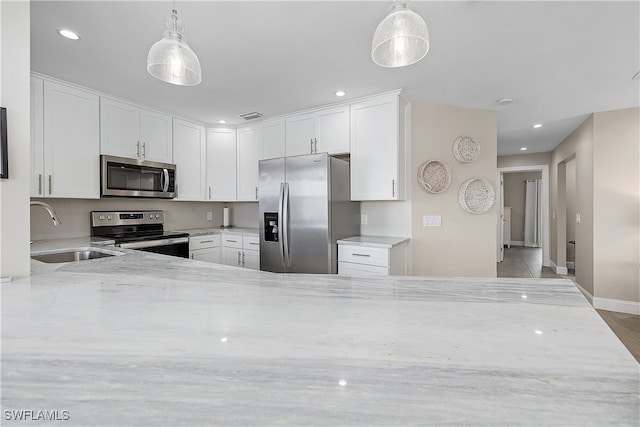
14	95
516	160
570	196
74	214
514	196
616	235
465	245
578	145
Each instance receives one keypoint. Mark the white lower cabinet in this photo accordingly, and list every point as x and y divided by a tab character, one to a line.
241	250
372	255
205	248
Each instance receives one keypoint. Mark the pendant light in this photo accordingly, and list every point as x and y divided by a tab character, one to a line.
401	39
170	59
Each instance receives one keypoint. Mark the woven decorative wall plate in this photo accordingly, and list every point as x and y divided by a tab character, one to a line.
476	196
466	149
434	176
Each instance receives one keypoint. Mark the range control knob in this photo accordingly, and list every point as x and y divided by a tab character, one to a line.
101	217
150	216
157	216
109	217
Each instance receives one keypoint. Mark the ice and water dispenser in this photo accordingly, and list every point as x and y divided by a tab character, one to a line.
271	226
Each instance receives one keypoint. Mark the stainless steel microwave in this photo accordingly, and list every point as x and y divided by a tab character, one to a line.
123	177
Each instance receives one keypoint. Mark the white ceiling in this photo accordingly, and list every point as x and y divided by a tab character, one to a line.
559	61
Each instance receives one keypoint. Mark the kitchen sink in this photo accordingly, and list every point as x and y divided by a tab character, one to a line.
72	255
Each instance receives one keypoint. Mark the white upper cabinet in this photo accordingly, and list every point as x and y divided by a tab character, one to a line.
221	164
332	130
300	132
71	142
325	130
378	131
156	136
37	138
249	153
129	131
189	155
273	138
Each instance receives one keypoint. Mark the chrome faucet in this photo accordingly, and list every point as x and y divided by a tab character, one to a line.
49	209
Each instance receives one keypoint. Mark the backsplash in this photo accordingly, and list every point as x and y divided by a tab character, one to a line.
74	214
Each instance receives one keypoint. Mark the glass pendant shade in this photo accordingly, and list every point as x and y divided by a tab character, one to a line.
401	39
171	60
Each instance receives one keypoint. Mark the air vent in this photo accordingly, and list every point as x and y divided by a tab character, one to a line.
637	76
250	116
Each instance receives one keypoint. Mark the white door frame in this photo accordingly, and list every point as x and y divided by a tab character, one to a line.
546	234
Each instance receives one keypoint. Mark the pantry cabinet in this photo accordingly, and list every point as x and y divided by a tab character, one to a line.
378	132
325	130
129	131
65	141
189	145
221	164
249	153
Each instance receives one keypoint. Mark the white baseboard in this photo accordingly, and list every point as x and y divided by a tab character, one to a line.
586	294
517	243
620	306
559	270
571	265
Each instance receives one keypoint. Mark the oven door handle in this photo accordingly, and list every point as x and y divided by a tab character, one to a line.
153	243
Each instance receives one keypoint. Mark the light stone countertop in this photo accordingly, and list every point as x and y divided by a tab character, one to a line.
147	339
217	230
374	241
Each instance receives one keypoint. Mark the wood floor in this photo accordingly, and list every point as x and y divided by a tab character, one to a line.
523	262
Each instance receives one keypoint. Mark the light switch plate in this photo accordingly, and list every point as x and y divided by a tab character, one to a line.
432	221
364	219
577	218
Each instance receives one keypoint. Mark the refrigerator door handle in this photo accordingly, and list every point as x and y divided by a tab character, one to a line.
285	224
281	224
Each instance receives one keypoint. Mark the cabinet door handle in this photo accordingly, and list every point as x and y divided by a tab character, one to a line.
316	145
232	241
192	256
393	188
209	192
144	149
311	151
239	258
206	241
39	183
138	148
50	185
242	258
256	193
364	255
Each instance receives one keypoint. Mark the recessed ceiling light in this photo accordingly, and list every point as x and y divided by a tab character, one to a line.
537	125
340	93
523	149
505	101
68	34
222	121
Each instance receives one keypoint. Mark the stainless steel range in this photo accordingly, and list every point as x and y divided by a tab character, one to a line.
142	230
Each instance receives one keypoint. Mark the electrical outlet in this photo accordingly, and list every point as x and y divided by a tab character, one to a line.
209	216
432	221
363	219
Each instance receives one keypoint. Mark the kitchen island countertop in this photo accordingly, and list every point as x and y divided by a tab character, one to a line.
146	339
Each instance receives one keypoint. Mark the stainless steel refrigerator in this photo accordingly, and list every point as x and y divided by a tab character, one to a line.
304	204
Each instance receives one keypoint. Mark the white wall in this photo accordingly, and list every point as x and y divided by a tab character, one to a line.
14	95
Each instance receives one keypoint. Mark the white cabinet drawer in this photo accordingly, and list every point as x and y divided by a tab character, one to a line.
251	242
351	269
364	255
202	242
232	240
